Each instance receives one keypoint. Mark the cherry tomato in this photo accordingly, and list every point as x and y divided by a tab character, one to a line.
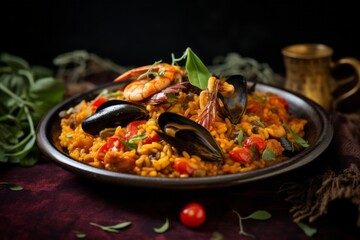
259	143
182	165
193	215
240	154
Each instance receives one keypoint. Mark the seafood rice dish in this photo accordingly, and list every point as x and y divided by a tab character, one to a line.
161	124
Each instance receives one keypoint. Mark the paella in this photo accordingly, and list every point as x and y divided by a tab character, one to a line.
180	122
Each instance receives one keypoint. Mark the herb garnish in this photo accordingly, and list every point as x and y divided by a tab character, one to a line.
150	72
296	137
112	228
268	155
26	94
309	231
131	143
198	73
257	215
12	186
240	137
217	236
163	228
79	234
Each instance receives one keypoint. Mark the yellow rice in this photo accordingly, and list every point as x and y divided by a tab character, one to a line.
156	159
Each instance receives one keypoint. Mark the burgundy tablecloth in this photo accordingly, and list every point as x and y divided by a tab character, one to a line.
55	204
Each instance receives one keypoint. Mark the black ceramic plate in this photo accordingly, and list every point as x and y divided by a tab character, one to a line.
319	133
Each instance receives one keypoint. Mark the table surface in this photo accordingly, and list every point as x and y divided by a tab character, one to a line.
56	204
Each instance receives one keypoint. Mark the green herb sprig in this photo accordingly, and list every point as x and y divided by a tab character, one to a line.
302	142
257	215
26	94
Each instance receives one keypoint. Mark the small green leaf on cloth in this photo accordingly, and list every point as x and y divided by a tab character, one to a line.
12	186
112	228
309	231
259	215
80	235
163	228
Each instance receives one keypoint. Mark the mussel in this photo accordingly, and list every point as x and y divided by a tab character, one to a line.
234	106
114	113
290	149
187	135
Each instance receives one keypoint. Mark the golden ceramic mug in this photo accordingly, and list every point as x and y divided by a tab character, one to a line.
308	71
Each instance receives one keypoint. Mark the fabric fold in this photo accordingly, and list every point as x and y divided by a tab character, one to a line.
339	180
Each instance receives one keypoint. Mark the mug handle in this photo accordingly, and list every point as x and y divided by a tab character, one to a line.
355	63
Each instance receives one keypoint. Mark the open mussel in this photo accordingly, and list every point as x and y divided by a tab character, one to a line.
114	113
234	106
187	135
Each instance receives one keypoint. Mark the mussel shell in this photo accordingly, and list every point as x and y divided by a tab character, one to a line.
114	113
188	136
235	105
290	149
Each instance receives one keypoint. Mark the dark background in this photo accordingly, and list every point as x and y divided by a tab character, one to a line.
141	32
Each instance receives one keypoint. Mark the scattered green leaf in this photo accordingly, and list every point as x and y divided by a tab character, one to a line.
138	137
79	234
309	231
12	186
112	228
257	215
268	155
296	137
258	98
240	137
163	228
217	236
171	97
131	143
258	123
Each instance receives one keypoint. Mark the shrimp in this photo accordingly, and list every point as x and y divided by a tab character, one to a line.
150	80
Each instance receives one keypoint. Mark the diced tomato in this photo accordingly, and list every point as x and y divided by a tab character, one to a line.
274	99
182	165
240	154
259	143
155	138
132	129
113	144
254	107
97	102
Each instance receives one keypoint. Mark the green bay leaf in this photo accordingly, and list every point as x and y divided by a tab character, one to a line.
197	72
